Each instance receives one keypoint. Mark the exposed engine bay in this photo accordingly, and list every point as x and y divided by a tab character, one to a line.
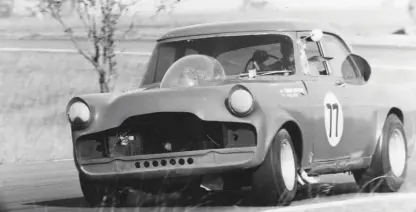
161	133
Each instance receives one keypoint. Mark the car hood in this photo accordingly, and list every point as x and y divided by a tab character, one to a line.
228	81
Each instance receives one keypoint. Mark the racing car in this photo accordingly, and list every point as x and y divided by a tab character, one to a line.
264	104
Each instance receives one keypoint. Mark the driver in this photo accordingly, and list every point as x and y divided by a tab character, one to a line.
286	62
259	58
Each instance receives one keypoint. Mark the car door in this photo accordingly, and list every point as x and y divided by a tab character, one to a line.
328	100
358	111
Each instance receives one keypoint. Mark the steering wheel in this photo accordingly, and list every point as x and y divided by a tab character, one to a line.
278	60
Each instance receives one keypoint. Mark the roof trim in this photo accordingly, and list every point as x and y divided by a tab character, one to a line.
247	26
226	34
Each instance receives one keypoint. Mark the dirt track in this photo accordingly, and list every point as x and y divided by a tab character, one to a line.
54	187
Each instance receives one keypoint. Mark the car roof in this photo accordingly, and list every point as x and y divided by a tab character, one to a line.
248	26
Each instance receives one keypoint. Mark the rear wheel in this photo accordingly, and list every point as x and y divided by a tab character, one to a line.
389	165
274	183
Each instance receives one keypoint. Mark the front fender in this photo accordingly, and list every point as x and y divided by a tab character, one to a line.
273	122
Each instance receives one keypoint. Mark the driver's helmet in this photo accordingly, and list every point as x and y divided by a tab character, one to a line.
260	56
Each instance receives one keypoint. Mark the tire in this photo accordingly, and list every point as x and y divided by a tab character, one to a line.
269	187
94	192
236	181
384	174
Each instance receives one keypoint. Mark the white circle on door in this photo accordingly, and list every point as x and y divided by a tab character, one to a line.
334	119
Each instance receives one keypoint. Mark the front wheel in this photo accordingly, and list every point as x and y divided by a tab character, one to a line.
389	165
274	183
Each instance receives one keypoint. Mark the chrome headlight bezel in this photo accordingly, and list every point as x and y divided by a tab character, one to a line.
83	123
248	104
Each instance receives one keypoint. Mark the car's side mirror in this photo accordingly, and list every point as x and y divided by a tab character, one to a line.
362	64
316	35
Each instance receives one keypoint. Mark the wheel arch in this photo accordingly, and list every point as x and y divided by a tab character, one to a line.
408	129
382	117
396	111
296	134
279	120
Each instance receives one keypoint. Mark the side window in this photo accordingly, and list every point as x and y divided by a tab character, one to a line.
316	66
340	65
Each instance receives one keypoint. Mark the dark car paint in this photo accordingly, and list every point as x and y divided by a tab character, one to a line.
277	114
364	113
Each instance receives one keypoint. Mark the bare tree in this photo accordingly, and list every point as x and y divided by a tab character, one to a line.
100	19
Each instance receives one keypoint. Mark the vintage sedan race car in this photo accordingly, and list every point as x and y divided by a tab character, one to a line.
263	104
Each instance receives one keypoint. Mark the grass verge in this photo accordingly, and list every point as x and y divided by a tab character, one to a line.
35	88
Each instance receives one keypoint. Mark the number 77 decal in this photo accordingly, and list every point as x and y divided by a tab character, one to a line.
332	108
334	119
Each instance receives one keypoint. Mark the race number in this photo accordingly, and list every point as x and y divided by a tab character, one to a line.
334	119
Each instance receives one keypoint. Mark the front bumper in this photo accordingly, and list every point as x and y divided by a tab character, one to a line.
210	148
181	164
195	119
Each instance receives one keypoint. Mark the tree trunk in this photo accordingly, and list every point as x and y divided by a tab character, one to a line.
103	84
104	87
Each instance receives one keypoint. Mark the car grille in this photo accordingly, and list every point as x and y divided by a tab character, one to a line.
161	133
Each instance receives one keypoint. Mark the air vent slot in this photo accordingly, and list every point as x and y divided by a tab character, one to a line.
165	163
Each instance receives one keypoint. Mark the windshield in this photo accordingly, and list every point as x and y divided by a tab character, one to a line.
236	54
193	70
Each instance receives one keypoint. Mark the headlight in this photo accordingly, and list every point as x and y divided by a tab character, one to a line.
240	101
79	113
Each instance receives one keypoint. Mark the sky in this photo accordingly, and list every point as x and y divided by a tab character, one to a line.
188	6
208	6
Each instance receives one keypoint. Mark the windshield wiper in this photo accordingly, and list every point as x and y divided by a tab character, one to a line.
264	73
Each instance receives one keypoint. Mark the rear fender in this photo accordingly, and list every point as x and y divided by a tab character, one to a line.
410	130
376	147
